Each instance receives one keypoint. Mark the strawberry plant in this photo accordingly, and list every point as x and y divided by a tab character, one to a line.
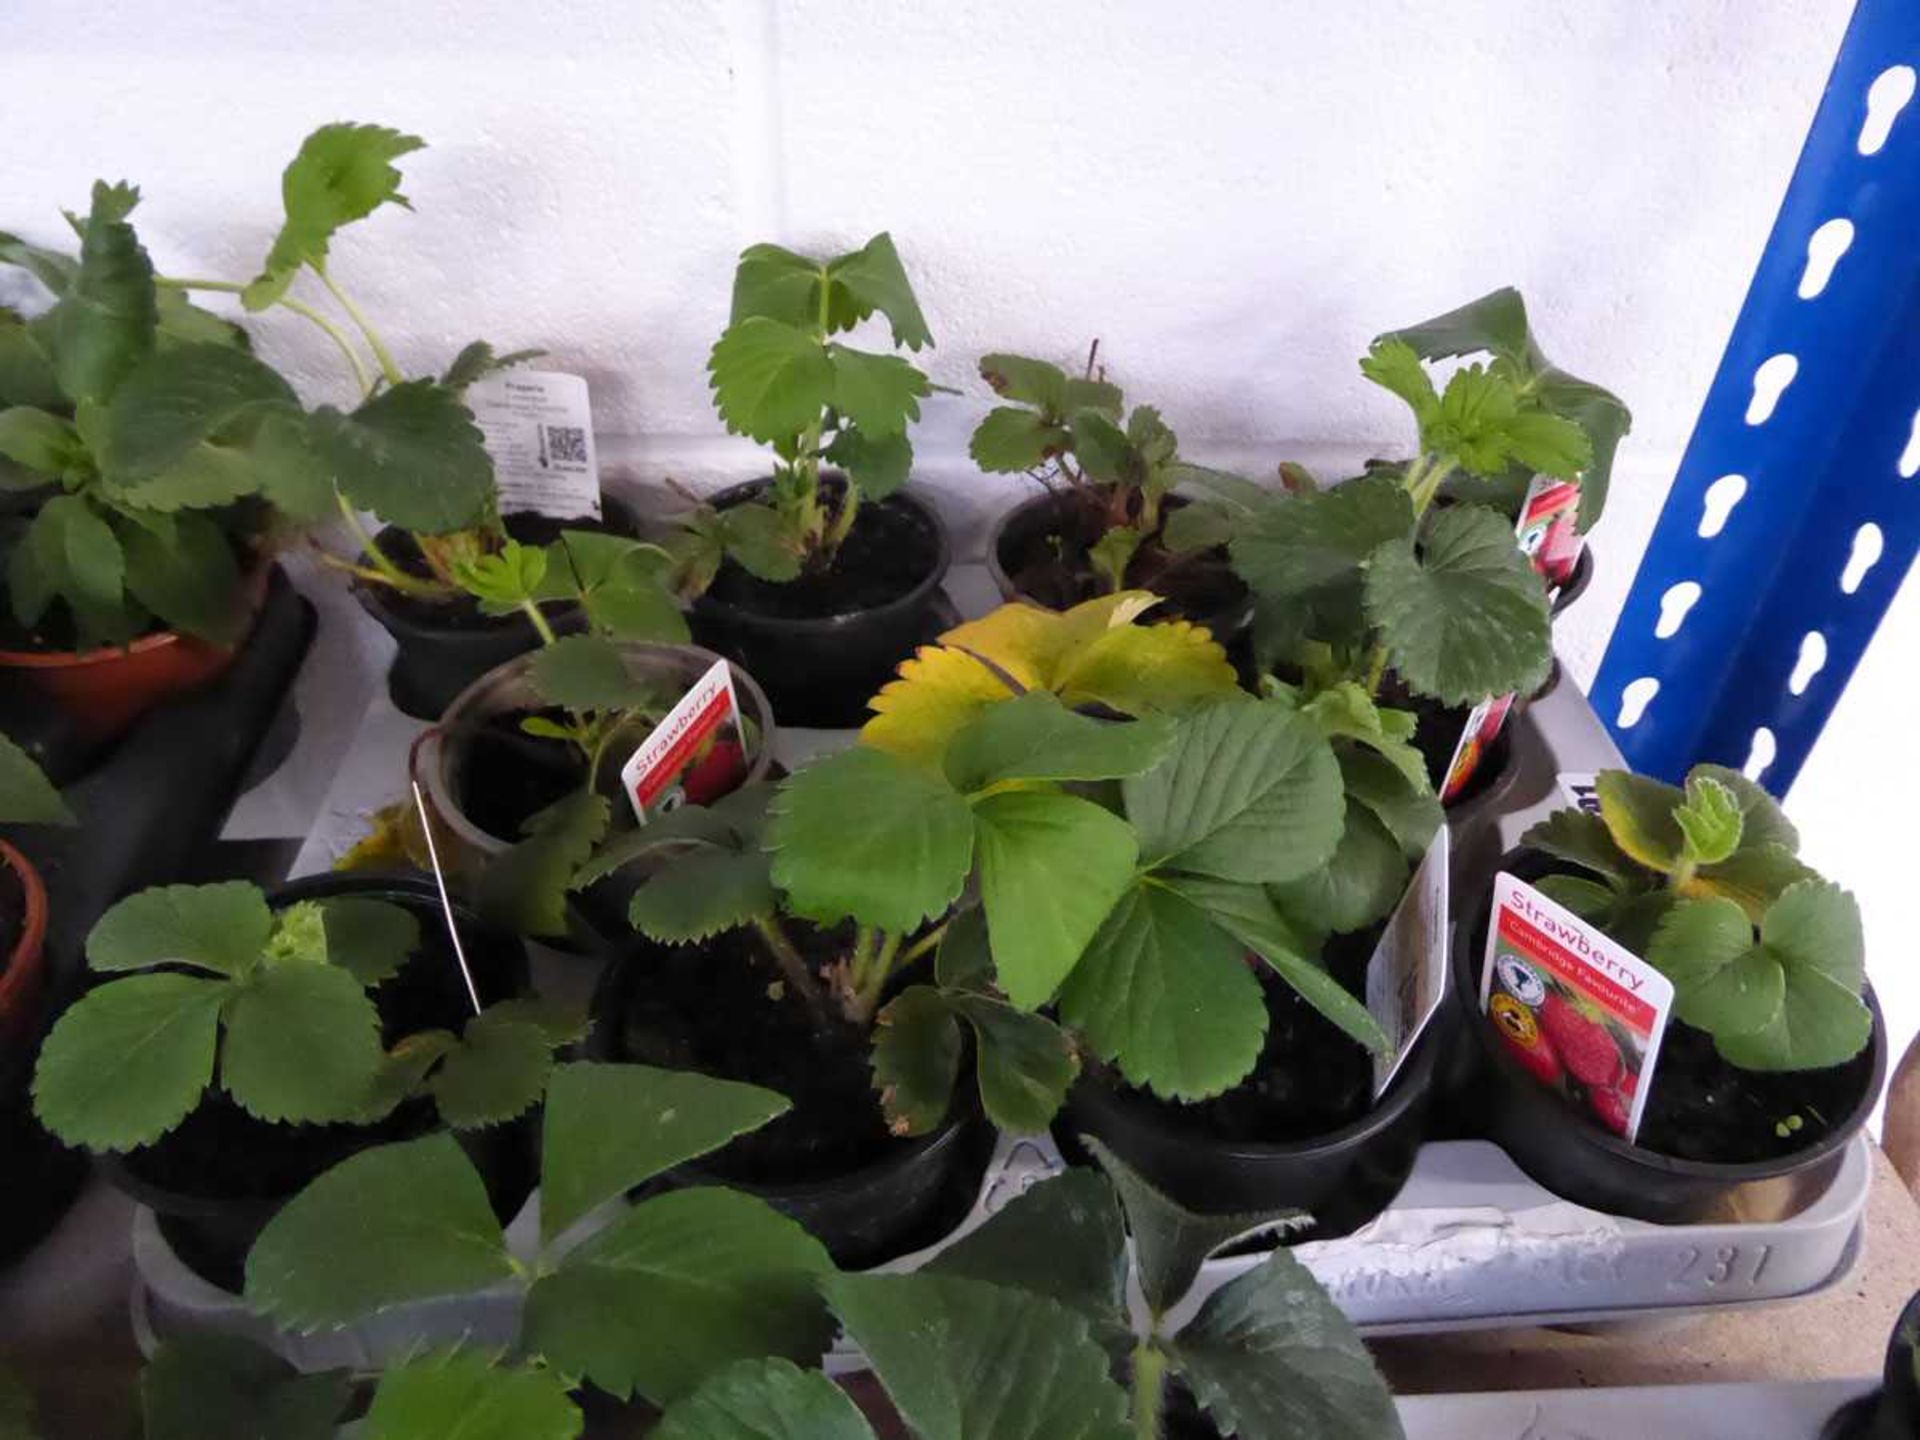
211	977
1016	1333
782	378
1112	473
146	422
1705	881
662	1294
1371	576
1496	326
1124	873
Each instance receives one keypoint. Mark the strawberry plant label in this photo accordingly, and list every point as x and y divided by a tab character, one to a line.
1548	529
694	756
1484	723
538	426
1407	974
1583	1014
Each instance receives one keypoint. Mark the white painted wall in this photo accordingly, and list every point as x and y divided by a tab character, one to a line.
1234	196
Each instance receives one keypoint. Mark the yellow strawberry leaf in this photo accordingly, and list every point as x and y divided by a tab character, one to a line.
937	693
1144	669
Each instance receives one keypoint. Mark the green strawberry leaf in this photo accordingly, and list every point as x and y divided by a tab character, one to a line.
1466	617
129	1060
1063	1238
342	173
704	893
586	672
27	797
497	1072
1637	811
471	1395
872	278
679	1287
302	1043
1271	1354
868	836
878	464
1710	821
1011	440
1584	839
1395	366
764	1400
369	939
961	1359
1052	867
770	380
1763	822
610	1128
1166	994
1361	884
502	582
394	1223
1298	544
1035	737
221	1387
1812	932
1171	1242
916	1059
1024	1063
173	403
221	927
525	887
477	360
181	567
1408	808
1722	980
1250	791
412	455
880	394
1037	383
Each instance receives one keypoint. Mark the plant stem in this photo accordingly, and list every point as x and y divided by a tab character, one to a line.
1149	1385
391	573
843	522
921	946
532	611
332	331
380	352
869	978
791	965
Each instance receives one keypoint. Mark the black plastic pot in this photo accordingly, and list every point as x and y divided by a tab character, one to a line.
1493	1095
1577	582
1437	732
1230	621
1893	1411
909	1198
442	649
1343	1178
822	670
212	1232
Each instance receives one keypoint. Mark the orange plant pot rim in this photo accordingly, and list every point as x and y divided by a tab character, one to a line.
24	957
253	592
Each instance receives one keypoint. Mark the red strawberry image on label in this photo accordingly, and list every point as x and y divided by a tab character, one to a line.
1524	1041
1584	1045
1613	1108
715	773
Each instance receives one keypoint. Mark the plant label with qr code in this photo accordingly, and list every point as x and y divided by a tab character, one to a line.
538	426
1407	974
694	756
1574	1008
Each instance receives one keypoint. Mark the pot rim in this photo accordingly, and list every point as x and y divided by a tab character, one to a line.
1412	1085
1577	582
913	601
25	957
435	752
1462	969
1490	803
253	594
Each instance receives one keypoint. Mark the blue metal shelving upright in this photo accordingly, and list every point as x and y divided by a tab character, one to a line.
1795	514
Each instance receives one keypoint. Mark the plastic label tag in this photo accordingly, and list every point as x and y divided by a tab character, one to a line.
694	756
1407	974
1484	723
1546	529
1580	1012
538	427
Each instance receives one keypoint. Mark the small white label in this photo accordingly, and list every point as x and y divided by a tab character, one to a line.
694	756
538	426
1577	1010
1407	976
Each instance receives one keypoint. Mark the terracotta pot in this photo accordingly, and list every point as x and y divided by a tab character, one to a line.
24	980
102	692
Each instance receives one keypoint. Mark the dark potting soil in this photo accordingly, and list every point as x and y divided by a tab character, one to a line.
1702	1108
1047	561
509	776
1311	1078
889	553
722	1010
